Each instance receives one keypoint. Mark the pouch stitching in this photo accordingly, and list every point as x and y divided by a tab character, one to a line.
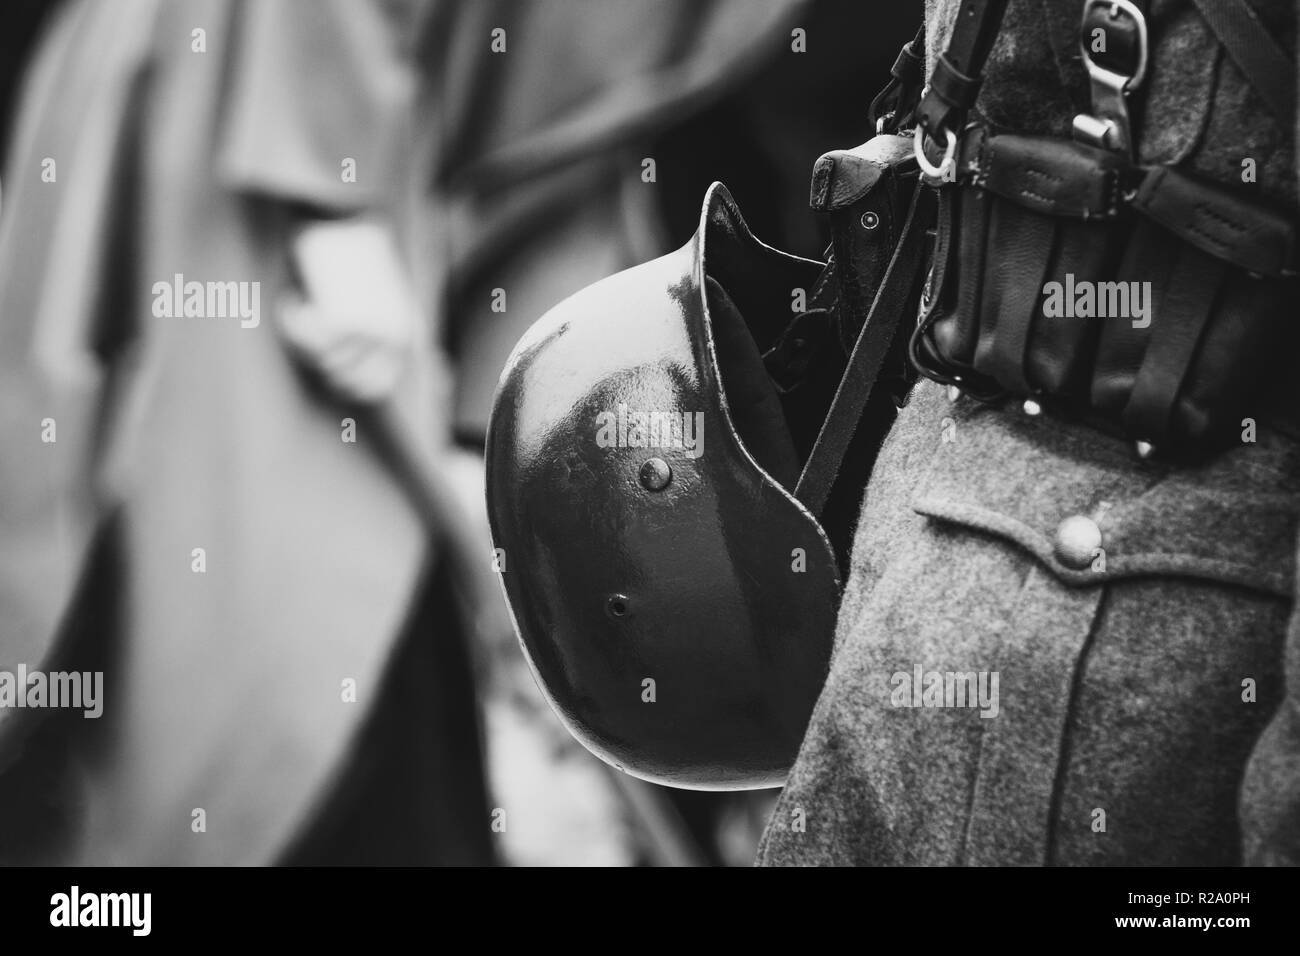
1210	213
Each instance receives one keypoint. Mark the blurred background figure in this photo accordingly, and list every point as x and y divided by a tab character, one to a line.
269	534
216	524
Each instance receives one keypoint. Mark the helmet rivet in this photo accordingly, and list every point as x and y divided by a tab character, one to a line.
617	605
870	220
655	474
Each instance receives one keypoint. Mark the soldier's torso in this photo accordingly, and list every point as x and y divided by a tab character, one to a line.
1050	651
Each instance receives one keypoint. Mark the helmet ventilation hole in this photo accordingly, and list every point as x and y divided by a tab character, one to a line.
617	605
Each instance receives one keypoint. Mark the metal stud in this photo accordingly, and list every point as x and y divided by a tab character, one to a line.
616	605
1032	408
655	474
870	220
1144	449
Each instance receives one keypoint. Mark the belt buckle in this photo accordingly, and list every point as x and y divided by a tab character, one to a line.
1108	126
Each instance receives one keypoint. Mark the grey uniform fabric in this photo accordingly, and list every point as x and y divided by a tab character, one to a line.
1148	707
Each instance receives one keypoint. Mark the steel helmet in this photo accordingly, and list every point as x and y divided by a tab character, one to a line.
675	600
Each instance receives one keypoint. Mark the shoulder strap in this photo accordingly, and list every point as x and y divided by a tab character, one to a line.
1258	55
894	106
955	81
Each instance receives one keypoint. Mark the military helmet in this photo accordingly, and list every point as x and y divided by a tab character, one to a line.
675	460
674	599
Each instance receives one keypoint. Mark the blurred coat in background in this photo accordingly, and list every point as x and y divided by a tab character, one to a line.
201	530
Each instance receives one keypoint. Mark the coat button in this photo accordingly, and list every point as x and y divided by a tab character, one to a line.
1077	541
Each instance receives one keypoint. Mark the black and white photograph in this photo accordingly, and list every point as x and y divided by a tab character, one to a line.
650	434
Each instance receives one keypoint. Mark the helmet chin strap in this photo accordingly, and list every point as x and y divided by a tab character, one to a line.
883	320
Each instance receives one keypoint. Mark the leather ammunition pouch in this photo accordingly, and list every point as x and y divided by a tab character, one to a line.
1151	302
1145	298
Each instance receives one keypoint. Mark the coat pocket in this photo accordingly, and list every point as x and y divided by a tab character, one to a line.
1079	503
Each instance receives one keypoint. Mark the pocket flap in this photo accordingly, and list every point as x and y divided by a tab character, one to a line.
1218	222
1079	502
1053	176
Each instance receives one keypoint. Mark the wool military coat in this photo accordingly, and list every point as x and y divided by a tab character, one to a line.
1138	616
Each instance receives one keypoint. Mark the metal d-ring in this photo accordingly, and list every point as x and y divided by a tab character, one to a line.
1127	8
949	155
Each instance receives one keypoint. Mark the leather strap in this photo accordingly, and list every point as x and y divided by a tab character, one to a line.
1261	60
1183	314
1012	299
864	363
955	80
896	103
